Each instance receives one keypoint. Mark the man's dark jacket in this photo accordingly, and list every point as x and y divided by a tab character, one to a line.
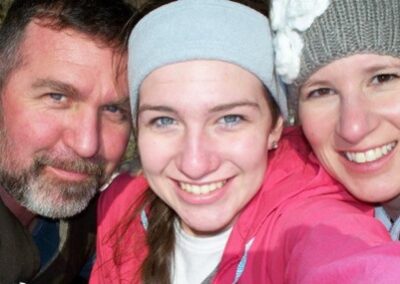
19	256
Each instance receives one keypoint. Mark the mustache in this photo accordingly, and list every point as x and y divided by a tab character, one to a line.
76	164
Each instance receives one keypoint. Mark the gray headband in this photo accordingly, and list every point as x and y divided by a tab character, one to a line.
187	30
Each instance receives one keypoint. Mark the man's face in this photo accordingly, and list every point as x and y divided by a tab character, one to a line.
64	122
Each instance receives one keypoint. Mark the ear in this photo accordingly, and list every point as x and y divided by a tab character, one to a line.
275	134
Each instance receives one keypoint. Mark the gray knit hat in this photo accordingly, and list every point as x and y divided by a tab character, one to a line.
310	34
187	30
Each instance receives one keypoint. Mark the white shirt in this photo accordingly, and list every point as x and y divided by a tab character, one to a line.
392	227
196	257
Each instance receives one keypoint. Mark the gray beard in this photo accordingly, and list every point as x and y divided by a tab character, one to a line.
46	195
53	199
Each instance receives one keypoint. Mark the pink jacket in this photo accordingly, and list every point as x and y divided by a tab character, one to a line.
301	227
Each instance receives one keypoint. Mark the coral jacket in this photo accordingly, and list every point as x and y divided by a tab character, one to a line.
301	227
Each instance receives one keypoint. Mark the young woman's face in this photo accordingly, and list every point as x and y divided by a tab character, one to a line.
204	130
350	112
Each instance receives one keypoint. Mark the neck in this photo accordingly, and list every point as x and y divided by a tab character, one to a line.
392	208
25	216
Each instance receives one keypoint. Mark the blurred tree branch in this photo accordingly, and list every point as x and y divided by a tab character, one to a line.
4	4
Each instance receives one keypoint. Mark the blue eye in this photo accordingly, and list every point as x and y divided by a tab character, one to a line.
112	108
231	119
163	121
56	96
116	112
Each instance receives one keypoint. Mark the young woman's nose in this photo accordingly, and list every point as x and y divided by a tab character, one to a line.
198	155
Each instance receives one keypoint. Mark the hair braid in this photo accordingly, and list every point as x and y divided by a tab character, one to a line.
161	242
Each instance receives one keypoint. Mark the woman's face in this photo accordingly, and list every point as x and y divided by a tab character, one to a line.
204	130
350	112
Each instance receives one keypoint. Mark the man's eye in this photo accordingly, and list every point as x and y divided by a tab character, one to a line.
57	97
117	112
112	108
231	119
383	78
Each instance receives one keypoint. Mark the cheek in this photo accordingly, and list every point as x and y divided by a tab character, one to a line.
251	157
154	152
317	126
248	151
31	131
389	109
115	140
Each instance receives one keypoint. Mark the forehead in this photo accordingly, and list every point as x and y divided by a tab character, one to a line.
207	70
71	57
40	39
200	80
358	62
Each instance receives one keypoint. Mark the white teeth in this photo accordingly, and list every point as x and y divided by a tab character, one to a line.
359	158
378	152
201	189
371	154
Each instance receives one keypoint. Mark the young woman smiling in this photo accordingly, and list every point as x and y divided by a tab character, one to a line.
222	199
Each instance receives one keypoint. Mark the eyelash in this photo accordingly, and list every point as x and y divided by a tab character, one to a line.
386	78
167	122
319	93
120	113
58	100
238	119
157	121
115	109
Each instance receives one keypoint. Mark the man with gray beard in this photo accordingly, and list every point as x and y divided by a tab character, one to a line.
64	126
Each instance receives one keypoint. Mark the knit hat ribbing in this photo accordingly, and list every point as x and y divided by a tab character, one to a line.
187	30
345	28
350	27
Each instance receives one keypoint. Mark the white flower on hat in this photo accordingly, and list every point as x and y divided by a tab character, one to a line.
288	46
288	18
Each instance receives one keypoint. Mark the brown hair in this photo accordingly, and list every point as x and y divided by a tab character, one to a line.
102	20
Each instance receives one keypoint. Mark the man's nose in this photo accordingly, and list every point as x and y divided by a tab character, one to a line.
82	135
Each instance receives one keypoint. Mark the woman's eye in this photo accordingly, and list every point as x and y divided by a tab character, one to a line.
320	92
163	121
231	119
383	78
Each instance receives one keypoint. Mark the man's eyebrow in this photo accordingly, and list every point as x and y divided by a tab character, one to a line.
55	85
69	89
229	106
124	101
